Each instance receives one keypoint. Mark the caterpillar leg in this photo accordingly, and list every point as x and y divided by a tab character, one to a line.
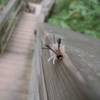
50	58
54	60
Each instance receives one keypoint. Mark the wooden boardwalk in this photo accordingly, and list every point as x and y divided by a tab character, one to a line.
76	70
60	82
15	63
27	77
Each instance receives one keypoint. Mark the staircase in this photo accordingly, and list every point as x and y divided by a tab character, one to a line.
15	63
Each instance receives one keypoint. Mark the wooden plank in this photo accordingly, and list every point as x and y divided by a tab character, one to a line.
37	87
59	81
15	66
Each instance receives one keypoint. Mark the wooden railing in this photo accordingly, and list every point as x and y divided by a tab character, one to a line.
8	19
37	86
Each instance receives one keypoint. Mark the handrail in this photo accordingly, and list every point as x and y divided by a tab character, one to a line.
7	11
8	19
37	86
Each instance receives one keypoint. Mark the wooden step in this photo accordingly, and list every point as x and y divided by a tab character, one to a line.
15	63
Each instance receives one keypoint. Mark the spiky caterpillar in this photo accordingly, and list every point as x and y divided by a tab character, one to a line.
58	54
57	51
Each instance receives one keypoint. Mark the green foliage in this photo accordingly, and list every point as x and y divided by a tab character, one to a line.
3	2
59	19
80	15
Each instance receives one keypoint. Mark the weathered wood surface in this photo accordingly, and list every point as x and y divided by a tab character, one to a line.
51	82
16	62
20	49
46	8
75	78
60	83
37	87
8	20
83	52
